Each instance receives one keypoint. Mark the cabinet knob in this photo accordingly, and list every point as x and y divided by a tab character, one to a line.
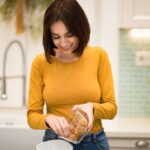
142	144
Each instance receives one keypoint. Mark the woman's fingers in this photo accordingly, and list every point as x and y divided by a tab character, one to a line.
65	127
53	123
58	124
75	108
54	128
59	127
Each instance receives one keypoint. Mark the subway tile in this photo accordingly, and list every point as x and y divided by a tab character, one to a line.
134	87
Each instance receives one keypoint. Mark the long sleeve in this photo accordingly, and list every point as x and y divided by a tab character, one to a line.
107	108
35	116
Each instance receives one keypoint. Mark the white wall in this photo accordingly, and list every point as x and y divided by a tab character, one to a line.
13	65
109	34
103	18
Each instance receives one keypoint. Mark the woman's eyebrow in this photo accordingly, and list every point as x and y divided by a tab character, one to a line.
58	34
54	33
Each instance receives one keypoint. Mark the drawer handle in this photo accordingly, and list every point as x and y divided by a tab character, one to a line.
142	144
9	123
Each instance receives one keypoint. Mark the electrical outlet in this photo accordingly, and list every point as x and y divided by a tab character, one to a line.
142	58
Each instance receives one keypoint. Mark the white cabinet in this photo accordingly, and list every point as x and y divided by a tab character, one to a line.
134	13
130	143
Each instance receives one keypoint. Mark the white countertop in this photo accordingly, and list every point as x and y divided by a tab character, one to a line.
118	127
127	127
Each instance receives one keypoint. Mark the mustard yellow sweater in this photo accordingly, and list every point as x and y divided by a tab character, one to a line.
62	85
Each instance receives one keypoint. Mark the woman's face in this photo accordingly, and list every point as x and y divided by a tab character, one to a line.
65	41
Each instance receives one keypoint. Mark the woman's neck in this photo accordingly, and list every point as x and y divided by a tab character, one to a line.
67	58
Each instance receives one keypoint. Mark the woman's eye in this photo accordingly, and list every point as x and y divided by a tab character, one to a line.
70	35
55	38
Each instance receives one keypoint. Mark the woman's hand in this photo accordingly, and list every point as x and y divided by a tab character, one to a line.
58	124
88	109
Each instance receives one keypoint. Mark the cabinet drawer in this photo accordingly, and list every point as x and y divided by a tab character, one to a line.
127	143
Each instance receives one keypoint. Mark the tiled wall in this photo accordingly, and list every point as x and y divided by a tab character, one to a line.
134	89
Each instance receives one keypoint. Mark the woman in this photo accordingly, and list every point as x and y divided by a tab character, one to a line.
70	75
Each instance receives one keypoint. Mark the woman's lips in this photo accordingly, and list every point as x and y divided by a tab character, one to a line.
66	48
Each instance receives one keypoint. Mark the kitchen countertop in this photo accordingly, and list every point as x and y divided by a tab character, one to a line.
127	127
118	127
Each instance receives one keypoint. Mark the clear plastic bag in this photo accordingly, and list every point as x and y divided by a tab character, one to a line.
78	126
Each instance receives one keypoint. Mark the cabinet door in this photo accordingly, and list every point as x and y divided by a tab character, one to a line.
135	13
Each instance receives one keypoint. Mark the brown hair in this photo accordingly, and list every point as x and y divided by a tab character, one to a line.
73	16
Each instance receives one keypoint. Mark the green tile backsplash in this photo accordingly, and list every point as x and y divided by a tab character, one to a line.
134	81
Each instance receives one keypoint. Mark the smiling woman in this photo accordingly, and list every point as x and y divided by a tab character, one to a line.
65	42
66	21
69	76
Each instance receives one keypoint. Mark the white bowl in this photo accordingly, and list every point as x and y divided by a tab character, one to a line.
54	145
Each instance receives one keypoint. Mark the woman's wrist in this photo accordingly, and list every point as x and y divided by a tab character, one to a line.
46	122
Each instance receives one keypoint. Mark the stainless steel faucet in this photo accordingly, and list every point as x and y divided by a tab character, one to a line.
4	95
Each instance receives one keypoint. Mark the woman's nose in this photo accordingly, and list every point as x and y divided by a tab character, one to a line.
63	42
